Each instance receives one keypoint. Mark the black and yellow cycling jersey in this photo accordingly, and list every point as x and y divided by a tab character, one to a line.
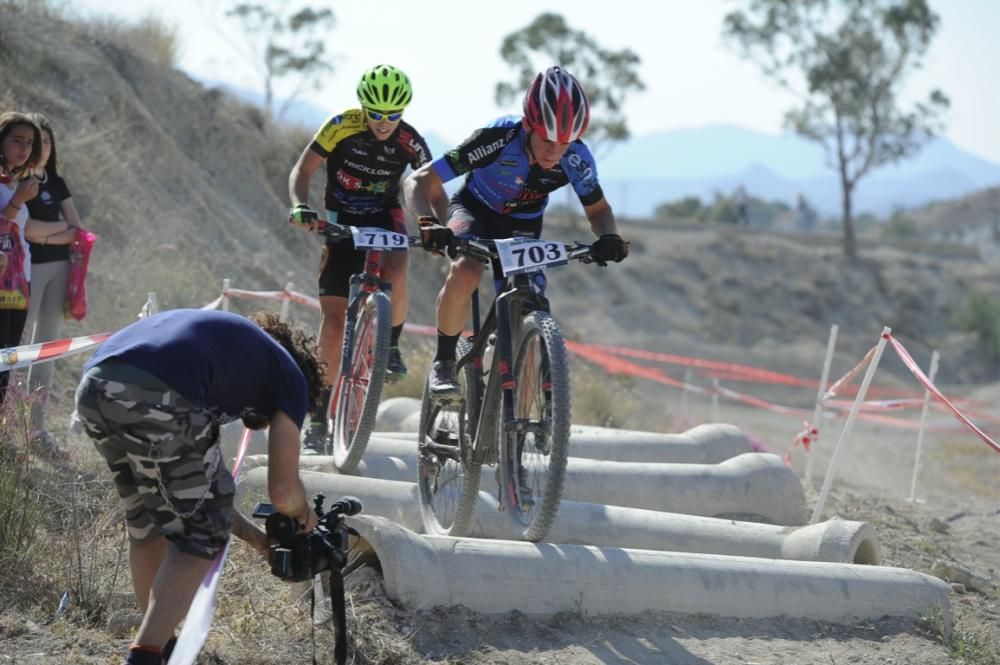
363	173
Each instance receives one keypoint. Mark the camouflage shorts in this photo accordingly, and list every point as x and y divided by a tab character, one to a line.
164	456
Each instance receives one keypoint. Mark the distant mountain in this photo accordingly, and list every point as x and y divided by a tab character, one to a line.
646	171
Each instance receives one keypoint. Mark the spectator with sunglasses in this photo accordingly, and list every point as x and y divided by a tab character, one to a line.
510	167
365	150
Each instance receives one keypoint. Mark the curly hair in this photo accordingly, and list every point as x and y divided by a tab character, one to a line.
301	346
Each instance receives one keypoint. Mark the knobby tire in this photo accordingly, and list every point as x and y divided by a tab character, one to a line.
448	488
359	393
541	398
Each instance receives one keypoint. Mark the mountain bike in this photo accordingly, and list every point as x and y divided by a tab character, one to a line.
354	401
513	410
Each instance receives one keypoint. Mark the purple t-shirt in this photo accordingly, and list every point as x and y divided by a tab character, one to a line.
220	361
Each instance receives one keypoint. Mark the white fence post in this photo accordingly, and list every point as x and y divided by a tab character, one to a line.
286	301
715	400
818	410
923	422
862	391
154	305
225	298
682	412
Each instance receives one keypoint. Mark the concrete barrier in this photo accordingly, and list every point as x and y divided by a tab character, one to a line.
495	576
704	444
594	524
393	411
754	486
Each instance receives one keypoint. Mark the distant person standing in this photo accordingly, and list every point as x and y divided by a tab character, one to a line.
50	230
805	216
365	150
20	151
742	212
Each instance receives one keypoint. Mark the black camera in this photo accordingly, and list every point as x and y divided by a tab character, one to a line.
299	556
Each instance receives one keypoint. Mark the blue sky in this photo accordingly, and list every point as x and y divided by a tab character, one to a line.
692	78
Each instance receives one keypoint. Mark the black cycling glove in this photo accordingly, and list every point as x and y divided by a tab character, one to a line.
433	236
609	247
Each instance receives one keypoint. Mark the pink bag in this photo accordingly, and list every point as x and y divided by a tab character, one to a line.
13	284
75	305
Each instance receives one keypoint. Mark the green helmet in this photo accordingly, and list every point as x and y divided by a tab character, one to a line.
384	88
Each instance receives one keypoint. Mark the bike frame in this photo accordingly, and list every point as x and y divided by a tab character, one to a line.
516	295
362	284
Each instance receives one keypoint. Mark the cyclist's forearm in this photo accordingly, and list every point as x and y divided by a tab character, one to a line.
602	219
424	194
301	175
298	188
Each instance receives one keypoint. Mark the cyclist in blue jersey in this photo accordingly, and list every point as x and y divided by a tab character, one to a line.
366	151
510	167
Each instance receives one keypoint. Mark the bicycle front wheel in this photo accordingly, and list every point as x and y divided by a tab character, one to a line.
447	473
362	373
534	446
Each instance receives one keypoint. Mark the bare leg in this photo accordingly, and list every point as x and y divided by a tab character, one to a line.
453	300
331	334
144	561
394	272
174	587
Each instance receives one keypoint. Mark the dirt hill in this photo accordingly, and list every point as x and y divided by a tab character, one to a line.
186	186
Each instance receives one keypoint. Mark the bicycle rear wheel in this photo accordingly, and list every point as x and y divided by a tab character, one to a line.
359	388
535	446
447	474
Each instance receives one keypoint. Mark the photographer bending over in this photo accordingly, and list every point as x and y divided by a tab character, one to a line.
152	398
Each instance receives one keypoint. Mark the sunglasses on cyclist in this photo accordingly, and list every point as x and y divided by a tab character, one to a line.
378	117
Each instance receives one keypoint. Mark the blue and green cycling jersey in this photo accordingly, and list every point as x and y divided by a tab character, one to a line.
498	174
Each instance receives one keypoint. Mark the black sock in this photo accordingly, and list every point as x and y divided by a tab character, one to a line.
446	346
143	656
396	332
319	414
168	648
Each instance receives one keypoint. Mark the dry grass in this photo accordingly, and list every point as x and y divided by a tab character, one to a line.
150	37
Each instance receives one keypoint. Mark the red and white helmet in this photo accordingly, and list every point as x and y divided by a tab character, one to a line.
556	106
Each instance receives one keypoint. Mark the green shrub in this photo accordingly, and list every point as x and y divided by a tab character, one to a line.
981	315
901	226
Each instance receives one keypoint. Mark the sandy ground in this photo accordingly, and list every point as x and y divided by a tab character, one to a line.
956	520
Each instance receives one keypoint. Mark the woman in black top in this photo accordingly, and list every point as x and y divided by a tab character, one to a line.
50	230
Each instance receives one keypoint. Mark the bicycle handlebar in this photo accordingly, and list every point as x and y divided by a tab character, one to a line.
484	249
343	232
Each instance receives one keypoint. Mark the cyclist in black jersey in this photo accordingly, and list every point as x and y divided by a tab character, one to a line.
511	167
366	151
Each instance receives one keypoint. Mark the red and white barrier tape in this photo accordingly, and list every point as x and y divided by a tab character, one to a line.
904	355
837	385
605	356
727	368
29	354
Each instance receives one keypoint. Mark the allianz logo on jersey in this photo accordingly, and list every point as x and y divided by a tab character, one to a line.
490	148
484	150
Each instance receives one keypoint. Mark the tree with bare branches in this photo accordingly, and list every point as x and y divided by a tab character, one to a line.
847	61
